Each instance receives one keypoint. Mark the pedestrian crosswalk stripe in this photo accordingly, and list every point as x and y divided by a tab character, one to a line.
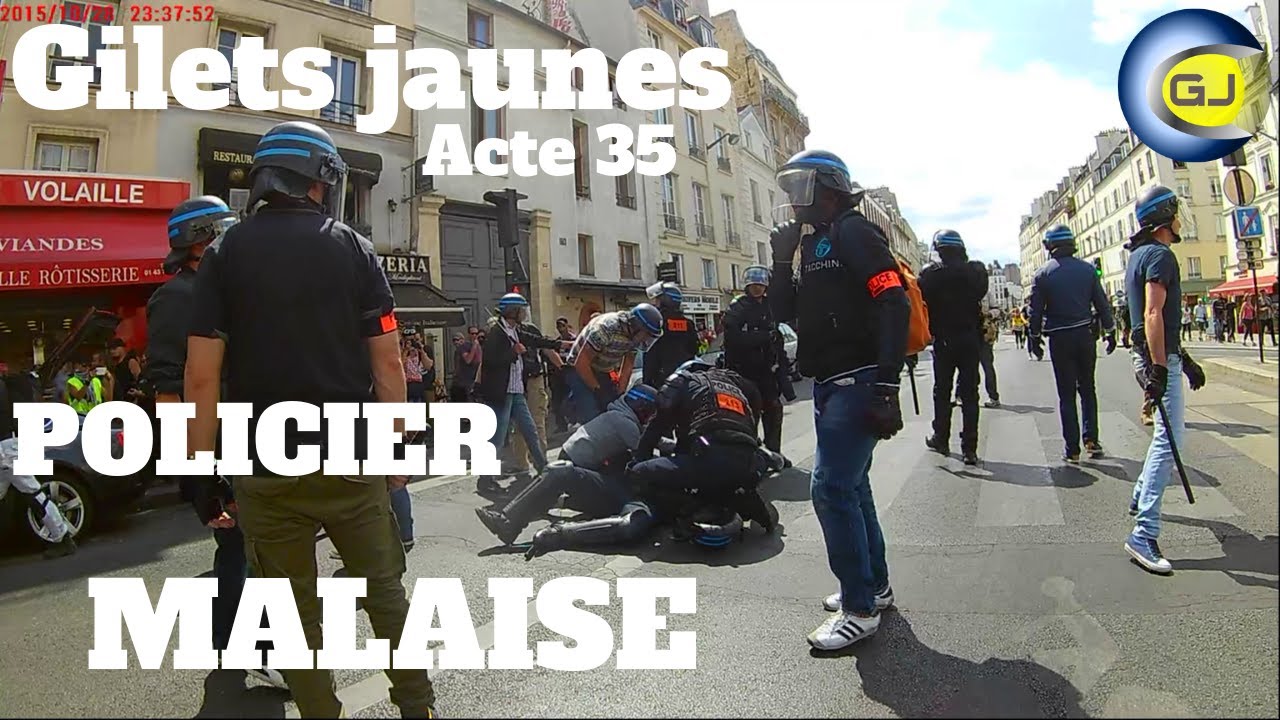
1136	438
1033	498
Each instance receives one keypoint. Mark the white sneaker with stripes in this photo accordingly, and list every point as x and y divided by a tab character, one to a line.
884	600
843	629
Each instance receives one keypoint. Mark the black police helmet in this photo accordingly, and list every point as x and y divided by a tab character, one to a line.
1156	207
291	157
1059	237
829	171
195	221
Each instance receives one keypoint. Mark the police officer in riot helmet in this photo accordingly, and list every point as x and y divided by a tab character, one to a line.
294	304
851	313
1066	294
751	348
679	340
713	414
953	289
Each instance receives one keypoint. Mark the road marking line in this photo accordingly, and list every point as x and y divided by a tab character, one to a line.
362	695
1033	499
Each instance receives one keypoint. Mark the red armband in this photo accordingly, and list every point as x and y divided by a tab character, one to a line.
883	281
388	322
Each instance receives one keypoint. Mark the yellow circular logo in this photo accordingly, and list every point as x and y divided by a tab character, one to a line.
1205	90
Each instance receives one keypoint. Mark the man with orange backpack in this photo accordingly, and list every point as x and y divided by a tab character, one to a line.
850	309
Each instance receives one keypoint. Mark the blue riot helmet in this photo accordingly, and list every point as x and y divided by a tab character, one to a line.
947	239
800	177
665	295
1060	239
755	275
513	306
194	222
715	527
693	366
1158	207
646	325
643	401
291	158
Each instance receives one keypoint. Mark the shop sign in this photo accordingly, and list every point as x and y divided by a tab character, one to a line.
47	276
406	269
88	191
700	304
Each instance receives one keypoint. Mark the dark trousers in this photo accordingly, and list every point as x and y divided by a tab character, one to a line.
1074	355
559	396
952	358
987	360
771	396
231	569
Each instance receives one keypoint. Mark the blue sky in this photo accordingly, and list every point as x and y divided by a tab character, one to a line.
967	109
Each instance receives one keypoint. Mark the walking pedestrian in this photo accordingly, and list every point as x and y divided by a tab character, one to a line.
1201	318
1266	318
1187	318
987	357
256	318
1155	290
1019	323
1247	314
953	289
852	318
1065	295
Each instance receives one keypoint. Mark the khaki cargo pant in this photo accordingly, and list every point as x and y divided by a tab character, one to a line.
535	394
280	517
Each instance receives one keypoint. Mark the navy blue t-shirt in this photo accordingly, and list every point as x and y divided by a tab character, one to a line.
1156	263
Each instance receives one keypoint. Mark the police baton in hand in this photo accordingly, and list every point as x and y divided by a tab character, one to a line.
1173	445
912	361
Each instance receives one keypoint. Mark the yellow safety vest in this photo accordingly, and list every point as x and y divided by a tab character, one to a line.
92	399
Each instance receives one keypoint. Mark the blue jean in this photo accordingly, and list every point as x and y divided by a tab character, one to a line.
585	404
841	490
516	408
1159	466
403	509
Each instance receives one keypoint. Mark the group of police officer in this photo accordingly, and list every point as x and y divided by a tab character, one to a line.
684	445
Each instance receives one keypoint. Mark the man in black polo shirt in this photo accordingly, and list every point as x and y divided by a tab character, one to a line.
310	319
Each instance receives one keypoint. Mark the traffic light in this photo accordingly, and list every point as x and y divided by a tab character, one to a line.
507	203
1097	267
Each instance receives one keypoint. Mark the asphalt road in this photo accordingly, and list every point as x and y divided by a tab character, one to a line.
1015	597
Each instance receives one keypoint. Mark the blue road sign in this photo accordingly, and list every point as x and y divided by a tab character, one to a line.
1248	221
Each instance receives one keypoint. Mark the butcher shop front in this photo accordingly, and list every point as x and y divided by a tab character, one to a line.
69	242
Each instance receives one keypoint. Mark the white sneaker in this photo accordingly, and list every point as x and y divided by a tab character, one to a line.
884	600
269	676
843	629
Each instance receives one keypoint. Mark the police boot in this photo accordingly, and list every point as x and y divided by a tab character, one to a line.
615	530
937	444
511	520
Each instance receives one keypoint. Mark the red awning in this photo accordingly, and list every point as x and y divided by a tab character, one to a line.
68	231
1244	285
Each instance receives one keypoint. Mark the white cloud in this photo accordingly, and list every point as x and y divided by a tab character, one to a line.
1118	21
917	106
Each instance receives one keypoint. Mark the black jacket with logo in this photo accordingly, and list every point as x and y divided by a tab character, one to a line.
848	311
711	402
679	342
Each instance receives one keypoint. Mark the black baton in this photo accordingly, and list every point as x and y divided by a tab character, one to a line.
1173	445
915	398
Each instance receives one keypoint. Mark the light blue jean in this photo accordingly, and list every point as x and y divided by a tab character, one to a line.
403	508
516	408
841	490
1159	467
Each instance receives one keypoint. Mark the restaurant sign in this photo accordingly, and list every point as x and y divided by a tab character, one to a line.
406	269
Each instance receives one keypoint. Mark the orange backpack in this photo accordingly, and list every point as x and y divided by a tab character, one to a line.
918	336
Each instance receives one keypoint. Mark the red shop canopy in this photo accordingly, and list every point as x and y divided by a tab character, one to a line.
1244	285
59	230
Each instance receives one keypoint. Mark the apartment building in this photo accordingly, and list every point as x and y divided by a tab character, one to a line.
1258	157
700	229
584	238
758	82
758	186
110	250
881	207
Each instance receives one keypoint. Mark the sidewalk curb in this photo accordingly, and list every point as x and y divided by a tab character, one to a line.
1257	376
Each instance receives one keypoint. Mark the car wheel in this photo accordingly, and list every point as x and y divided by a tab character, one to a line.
73	499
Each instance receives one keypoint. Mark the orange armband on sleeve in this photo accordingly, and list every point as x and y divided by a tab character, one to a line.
882	282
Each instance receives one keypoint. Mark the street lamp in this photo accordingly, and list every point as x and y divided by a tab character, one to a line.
731	137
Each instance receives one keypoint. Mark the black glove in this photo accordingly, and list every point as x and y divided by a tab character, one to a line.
211	496
1193	371
1037	346
1157	382
1111	342
784	239
885	413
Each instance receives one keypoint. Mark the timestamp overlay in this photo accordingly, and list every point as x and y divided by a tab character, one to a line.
80	12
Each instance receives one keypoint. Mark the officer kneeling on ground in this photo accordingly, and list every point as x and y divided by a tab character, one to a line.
590	470
679	340
299	308
707	487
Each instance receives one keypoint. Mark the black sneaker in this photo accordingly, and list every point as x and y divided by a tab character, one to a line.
1094	448
939	446
498	524
1133	508
1071	458
970	457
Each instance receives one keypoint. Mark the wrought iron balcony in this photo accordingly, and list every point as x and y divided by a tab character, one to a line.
696	151
705	232
341	112
724	164
735	240
673	223
627	201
